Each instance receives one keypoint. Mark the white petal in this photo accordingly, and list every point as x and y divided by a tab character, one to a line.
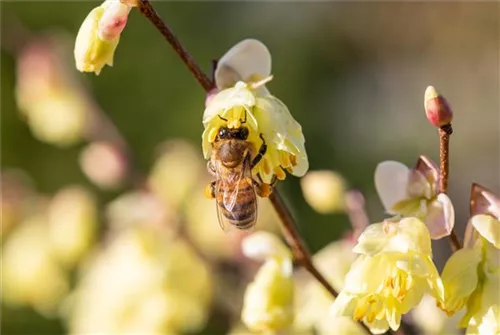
263	245
391	182
440	218
248	58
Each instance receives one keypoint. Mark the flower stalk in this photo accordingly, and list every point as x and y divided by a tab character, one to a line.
440	115
445	132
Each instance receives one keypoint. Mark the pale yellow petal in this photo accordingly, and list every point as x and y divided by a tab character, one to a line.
263	245
460	278
409	234
488	227
344	305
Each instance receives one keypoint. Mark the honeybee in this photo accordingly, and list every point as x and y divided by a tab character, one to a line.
234	188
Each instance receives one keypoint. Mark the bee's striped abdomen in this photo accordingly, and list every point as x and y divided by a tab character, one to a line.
243	214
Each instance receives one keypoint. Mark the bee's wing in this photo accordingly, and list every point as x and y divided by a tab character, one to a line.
228	184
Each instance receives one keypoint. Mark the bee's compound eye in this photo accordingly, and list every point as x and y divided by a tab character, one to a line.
223	132
244	133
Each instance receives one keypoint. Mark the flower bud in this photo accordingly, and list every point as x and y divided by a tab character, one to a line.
72	224
269	300
437	110
324	191
103	164
99	35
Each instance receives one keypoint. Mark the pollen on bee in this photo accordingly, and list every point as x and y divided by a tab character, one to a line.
208	192
280	174
212	135
234	123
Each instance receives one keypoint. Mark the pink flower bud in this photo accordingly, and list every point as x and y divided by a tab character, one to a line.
113	20
437	110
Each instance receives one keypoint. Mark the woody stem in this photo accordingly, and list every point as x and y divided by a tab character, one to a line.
444	168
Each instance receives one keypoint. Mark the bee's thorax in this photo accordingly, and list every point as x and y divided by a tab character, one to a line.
233	152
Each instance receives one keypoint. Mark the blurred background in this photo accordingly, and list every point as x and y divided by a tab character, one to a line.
97	238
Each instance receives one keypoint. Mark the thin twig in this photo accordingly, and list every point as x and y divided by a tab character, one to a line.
444	168
292	236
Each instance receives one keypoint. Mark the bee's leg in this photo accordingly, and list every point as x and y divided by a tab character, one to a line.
263	190
210	190
262	152
211	168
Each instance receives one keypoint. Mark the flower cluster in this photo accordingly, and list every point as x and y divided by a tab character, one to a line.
269	299
148	276
143	283
391	275
243	99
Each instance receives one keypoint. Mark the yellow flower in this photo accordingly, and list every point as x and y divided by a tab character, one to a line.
415	193
471	277
313	301
324	191
99	36
242	97
72	224
142	283
30	274
390	276
432	320
268	301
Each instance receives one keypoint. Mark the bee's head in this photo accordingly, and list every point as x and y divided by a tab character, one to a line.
233	133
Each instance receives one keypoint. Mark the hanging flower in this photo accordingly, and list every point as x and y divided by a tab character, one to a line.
391	275
99	36
415	192
268	302
242	97
142	282
324	191
471	277
313	301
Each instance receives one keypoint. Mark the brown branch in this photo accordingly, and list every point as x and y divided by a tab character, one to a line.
301	253
444	168
148	11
